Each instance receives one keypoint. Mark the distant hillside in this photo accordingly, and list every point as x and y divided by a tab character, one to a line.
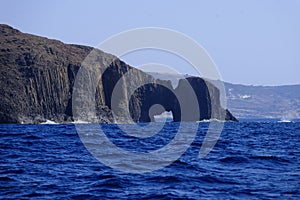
256	101
264	101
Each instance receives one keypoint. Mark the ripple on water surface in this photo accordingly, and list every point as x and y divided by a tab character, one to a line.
250	160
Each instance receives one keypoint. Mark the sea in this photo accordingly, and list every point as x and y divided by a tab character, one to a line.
252	159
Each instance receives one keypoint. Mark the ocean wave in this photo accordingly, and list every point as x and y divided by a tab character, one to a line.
269	157
49	122
50	161
80	122
234	159
210	120
285	121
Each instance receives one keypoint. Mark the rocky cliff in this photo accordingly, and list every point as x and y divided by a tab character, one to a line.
37	78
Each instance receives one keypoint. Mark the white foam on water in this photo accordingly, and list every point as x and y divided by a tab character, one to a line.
285	121
49	122
210	120
80	122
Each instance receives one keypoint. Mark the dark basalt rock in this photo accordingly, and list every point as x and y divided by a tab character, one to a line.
37	78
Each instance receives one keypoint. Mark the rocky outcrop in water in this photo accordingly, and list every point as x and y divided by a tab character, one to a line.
37	78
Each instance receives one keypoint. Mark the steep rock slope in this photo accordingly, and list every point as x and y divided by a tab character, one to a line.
37	76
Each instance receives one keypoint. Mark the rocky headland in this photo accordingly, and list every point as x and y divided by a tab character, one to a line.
37	77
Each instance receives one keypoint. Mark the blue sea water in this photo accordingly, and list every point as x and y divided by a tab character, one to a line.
251	160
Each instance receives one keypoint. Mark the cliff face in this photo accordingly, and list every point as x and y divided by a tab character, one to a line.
37	77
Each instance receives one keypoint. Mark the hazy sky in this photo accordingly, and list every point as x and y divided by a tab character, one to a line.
252	42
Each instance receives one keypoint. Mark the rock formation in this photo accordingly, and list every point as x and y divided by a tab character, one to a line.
37	78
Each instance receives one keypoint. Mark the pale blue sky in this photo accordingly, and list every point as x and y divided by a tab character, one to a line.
251	41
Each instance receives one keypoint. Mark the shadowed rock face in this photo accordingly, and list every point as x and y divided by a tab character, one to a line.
37	76
208	100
